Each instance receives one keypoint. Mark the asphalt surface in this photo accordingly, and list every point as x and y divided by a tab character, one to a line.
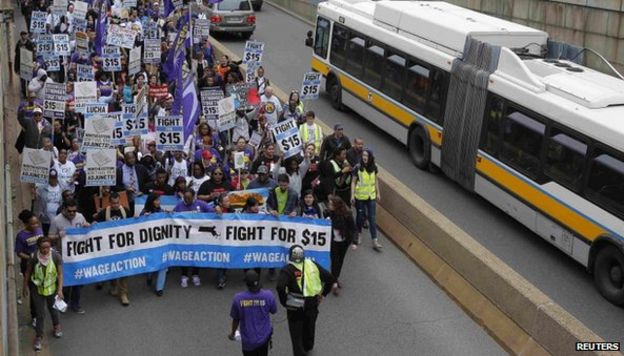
388	306
286	59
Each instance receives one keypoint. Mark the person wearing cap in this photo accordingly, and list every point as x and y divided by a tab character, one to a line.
48	200
35	128
311	132
263	180
301	287
251	311
332	142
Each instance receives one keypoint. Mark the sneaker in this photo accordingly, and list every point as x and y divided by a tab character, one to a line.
160	293
37	344
34	322
376	245
222	283
184	282
196	281
58	332
19	301
124	300
365	224
335	289
354	246
78	310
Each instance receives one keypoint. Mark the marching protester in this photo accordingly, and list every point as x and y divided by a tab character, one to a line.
308	207
26	245
112	213
342	233
283	199
222	206
365	195
35	128
152	206
251	311
334	141
301	287
311	132
68	218
48	200
44	280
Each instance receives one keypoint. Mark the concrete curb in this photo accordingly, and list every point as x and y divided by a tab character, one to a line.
291	13
518	315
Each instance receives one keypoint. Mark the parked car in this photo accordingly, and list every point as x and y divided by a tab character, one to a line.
232	16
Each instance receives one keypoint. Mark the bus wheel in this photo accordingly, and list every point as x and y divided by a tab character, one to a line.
335	94
419	148
609	274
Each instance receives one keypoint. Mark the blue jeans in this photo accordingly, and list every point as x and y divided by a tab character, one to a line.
161	279
366	209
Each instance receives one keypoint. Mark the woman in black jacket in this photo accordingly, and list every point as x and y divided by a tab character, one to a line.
343	229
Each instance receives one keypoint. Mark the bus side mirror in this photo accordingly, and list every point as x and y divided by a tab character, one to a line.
309	40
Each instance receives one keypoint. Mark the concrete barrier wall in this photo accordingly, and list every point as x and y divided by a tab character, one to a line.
518	315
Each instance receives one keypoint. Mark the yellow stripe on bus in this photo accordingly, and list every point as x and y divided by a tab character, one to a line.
540	200
380	103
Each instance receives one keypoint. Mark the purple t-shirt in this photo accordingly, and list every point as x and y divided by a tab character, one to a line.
198	206
252	309
26	241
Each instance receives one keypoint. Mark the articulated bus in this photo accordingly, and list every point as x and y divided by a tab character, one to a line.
540	137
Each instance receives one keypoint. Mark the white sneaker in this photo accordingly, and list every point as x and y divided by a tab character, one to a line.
184	282
376	245
196	281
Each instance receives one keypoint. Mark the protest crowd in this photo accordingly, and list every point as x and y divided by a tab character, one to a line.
126	112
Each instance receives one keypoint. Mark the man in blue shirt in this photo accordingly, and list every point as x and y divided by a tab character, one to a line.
251	310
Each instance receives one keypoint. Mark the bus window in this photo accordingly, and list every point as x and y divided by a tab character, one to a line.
373	65
417	87
337	55
522	142
492	122
606	183
437	98
355	56
565	157
321	41
394	74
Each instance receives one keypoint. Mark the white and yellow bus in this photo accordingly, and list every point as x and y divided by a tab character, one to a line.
541	138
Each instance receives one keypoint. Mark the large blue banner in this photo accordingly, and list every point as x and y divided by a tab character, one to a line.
150	243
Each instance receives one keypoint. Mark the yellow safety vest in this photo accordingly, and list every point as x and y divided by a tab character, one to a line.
312	278
318	136
365	188
46	283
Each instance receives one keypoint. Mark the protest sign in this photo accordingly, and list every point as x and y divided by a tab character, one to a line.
80	10
134	64
255	139
59	7
121	248
54	100
84	72
134	125
92	109
101	167
239	160
150	30
35	166
45	44
61	45
250	72
129	3
111	59
240	92
287	137
169	133
38	22
84	93
26	64
98	133
52	63
117	137
227	113
201	30
311	86
253	52
80	25
82	43
151	51
210	102
120	36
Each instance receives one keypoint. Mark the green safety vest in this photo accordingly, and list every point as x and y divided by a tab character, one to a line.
311	276
365	188
46	283
318	136
337	169
282	199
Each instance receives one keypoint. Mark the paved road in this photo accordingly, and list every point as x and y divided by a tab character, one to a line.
286	60
388	307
